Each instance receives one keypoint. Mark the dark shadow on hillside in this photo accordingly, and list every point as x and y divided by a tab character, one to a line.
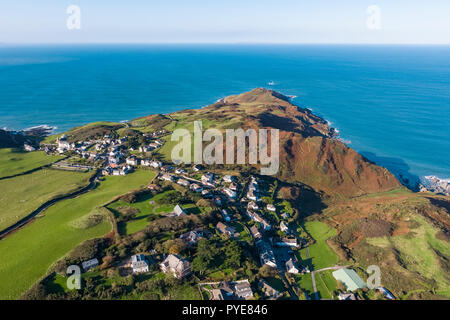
440	203
396	166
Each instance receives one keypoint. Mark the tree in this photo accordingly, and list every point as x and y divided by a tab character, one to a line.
206	252
233	255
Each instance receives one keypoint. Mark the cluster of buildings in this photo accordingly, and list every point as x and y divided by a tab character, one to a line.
233	290
172	264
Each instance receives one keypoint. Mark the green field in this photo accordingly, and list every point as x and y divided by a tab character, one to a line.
14	161
27	254
25	193
325	284
420	252
304	281
321	254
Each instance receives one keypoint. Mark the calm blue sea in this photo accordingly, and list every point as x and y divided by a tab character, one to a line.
391	103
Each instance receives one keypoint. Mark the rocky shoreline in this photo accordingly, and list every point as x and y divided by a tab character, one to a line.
435	184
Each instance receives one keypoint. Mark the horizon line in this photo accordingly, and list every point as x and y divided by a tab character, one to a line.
227	43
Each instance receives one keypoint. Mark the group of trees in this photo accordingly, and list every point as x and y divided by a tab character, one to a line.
209	256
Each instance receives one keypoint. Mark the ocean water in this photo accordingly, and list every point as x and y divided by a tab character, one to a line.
391	103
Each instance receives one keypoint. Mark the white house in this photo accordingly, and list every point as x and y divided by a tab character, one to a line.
132	161
291	267
284	226
207	177
139	264
179	211
166	177
28	148
271	207
195	187
228	178
230	193
288	242
183	182
252	205
156	164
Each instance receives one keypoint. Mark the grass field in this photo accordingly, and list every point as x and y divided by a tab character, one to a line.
23	194
321	254
14	161
304	281
326	284
420	252
27	254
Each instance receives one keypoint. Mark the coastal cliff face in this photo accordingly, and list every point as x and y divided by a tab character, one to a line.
309	153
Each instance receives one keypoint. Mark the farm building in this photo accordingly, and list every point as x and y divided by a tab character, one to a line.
349	278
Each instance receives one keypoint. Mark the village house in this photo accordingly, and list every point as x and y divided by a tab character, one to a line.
178	211
266	254
139	264
225	215
207	194
183	182
284	227
107	171
252	205
230	193
257	218
180	171
28	147
179	267
132	161
347	296
167	177
64	145
89	264
255	232
291	267
216	294
207	178
252	196
271	207
223	228
227	178
145	149
166	168
192	237
243	290
195	187
197	167
269	291
287	242
156	164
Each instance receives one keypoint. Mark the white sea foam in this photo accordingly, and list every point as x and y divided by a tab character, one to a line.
435	184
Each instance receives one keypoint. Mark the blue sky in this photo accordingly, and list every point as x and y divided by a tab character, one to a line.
225	21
